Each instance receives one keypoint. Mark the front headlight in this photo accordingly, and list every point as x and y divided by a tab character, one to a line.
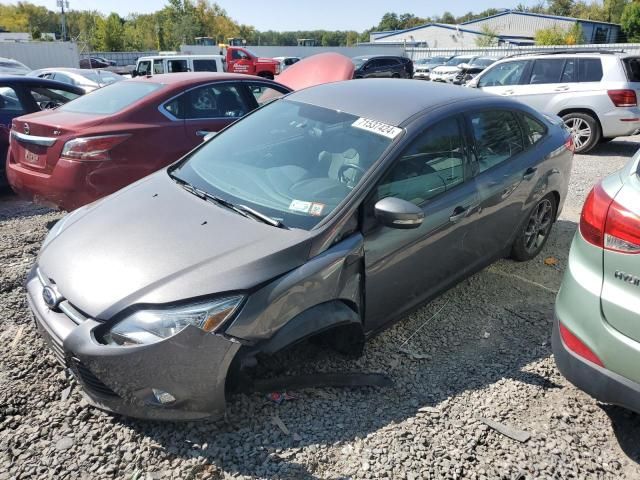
150	326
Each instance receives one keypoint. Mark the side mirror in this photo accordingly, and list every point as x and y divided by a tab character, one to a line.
134	73
473	83
394	212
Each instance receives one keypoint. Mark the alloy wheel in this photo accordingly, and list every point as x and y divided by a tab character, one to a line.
538	226
580	130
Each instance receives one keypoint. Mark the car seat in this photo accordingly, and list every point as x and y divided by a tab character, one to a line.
333	162
229	105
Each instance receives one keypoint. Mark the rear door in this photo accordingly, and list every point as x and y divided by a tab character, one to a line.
404	267
506	173
210	108
548	80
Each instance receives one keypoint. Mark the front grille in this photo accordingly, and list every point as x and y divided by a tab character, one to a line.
89	380
54	343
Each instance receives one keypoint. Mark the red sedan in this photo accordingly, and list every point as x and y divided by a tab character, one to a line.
103	141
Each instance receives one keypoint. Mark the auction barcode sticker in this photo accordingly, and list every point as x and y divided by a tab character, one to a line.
380	128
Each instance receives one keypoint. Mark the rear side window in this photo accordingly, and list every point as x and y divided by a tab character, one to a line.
112	98
177	66
9	101
158	67
215	101
546	71
498	137
632	66
205	66
534	129
589	70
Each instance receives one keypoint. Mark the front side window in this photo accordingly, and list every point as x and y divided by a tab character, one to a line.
546	71
433	164
215	101
264	94
498	137
112	98
205	66
158	67
177	66
292	161
239	55
144	68
9	101
504	74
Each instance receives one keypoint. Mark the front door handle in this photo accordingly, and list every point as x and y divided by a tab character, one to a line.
202	133
507	92
562	88
529	173
458	214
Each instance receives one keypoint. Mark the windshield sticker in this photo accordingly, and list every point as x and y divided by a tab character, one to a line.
316	209
379	128
300	206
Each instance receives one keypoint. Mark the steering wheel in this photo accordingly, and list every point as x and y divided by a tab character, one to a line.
350	166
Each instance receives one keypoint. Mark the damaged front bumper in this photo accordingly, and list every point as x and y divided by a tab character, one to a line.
191	366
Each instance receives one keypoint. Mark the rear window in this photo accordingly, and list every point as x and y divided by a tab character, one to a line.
632	66
112	98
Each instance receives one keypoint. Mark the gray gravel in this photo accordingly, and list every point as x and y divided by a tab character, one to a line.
483	353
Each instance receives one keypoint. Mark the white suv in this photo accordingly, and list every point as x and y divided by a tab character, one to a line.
595	92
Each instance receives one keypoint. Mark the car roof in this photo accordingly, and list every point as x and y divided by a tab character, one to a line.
188	78
178	57
43	82
390	101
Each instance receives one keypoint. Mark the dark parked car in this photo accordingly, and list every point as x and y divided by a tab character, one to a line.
332	211
471	70
382	67
97	62
22	95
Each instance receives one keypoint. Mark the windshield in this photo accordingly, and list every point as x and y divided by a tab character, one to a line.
291	161
455	61
112	98
358	62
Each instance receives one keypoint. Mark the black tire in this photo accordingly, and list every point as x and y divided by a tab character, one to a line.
395	75
585	129
606	140
536	229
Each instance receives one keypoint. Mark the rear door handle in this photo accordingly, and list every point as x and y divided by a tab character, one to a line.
202	133
529	173
507	92
458	214
562	88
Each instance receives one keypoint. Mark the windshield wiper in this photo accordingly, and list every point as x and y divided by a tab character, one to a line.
239	209
261	216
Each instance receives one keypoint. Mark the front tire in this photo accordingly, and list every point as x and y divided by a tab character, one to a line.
535	232
585	130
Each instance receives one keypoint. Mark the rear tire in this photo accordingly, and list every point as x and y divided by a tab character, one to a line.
535	232
585	130
395	75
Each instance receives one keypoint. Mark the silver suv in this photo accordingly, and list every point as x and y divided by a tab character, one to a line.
595	92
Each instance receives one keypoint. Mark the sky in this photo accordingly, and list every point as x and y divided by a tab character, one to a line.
282	15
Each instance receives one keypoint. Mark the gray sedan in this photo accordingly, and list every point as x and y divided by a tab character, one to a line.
332	211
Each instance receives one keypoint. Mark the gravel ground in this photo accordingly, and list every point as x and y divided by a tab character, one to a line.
484	352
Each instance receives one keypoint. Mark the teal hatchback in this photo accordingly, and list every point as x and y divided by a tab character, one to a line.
596	337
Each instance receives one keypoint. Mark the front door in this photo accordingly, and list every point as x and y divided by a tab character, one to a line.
240	62
405	267
504	78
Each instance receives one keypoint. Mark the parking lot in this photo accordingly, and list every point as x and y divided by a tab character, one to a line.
481	351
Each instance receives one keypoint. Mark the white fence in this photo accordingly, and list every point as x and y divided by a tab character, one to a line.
302	52
422	52
42	54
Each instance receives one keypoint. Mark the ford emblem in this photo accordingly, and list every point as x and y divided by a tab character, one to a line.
50	297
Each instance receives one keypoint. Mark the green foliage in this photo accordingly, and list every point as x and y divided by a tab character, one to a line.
630	20
109	34
489	39
561	7
559	36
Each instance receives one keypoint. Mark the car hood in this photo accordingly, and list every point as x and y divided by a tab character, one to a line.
446	69
155	243
317	69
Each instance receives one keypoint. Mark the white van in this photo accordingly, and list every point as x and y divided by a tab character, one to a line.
178	63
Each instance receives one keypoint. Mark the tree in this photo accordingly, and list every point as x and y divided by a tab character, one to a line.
447	17
110	34
559	36
489	39
630	21
561	7
389	21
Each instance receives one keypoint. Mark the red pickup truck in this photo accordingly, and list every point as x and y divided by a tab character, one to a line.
241	60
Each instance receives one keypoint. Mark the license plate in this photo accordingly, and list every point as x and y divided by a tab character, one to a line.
33	159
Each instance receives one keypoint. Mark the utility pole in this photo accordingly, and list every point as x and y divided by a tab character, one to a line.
62	4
